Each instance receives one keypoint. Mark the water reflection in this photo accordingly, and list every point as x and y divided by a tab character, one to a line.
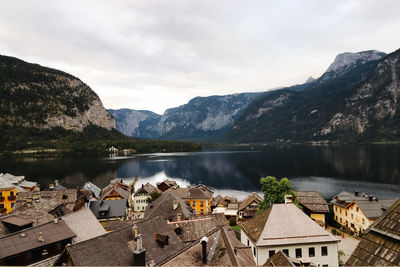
328	169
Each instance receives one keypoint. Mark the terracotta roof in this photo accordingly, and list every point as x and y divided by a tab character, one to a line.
380	245
27	239
249	200
191	230
284	224
164	206
112	249
313	201
84	224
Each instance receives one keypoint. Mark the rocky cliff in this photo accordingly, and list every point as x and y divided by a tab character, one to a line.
291	114
40	97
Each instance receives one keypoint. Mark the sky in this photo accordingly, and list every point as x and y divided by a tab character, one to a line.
155	55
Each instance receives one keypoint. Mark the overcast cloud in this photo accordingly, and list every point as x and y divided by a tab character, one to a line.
156	55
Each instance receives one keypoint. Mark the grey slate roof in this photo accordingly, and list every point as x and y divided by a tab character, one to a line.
84	224
112	249
164	206
380	244
14	244
113	208
372	209
94	188
284	224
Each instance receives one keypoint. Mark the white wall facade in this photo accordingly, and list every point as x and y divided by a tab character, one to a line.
261	254
140	202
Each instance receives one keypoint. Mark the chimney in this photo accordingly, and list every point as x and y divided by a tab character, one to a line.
203	242
40	237
305	262
178	217
134	231
55	220
139	255
175	204
370	198
356	193
288	199
56	182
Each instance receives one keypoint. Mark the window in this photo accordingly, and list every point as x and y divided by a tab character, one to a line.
311	252
271	253
1	193
325	265
11	193
248	243
340	220
298	253
357	209
286	251
352	216
335	208
324	251
336	218
340	211
12	204
346	212
201	204
363	221
254	251
1	206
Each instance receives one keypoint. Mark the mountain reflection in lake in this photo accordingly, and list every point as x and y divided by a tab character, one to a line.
327	169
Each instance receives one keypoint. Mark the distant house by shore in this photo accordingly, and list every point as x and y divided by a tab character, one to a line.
357	211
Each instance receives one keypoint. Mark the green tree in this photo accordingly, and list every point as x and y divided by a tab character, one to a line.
153	196
274	191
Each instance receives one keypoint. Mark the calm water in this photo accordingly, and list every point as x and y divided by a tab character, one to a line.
328	169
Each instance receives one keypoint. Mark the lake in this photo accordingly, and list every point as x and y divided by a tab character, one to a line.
373	169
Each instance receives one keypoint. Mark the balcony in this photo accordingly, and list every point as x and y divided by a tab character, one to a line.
11	198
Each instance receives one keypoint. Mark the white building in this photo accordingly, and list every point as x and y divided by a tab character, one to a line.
141	196
284	227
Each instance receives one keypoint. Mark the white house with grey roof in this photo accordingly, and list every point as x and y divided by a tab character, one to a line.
284	227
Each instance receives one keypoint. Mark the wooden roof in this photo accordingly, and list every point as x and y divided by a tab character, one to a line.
380	245
313	201
27	239
255	226
249	200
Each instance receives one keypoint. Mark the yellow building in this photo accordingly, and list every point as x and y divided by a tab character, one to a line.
314	205
10	187
199	197
357	211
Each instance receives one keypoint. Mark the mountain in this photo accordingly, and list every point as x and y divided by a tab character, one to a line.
299	113
137	123
201	119
40	97
372	110
47	110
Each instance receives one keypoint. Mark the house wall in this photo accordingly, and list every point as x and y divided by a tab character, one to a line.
352	215
7	201
318	216
198	208
140	202
261	254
